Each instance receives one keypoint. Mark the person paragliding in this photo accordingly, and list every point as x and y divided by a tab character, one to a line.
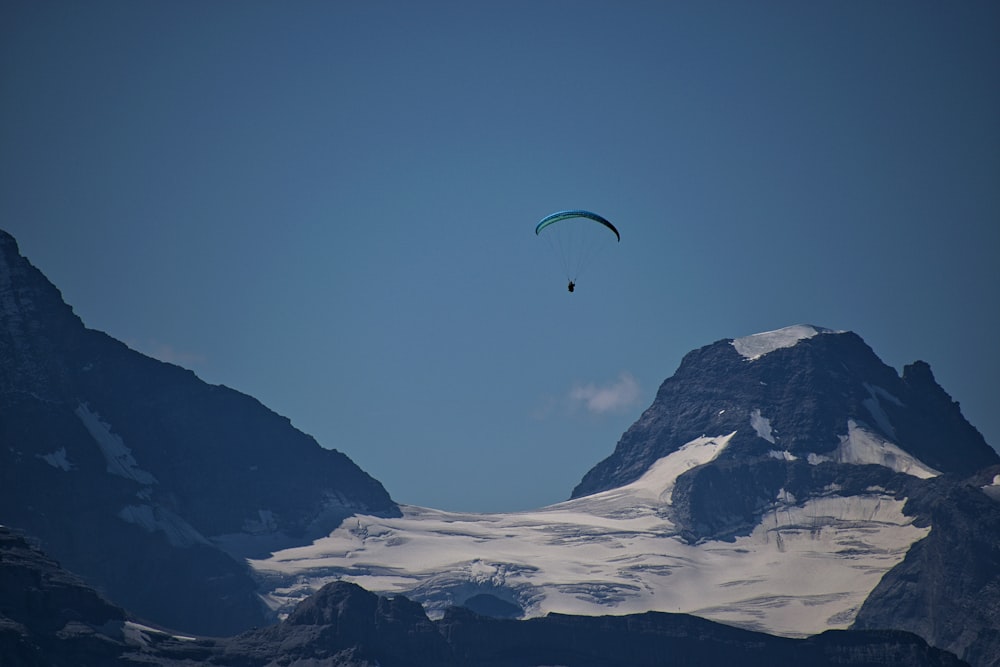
577	237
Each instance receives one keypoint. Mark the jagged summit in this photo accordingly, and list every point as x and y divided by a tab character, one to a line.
802	391
37	328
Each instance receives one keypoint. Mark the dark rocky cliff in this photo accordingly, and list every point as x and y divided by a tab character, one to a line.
145	480
346	626
947	589
48	617
808	393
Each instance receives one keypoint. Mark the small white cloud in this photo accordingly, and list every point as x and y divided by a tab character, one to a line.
614	397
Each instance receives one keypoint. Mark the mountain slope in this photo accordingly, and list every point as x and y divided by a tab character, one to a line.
48	617
148	482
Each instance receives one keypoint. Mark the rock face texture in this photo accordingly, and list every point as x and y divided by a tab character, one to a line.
947	589
48	616
374	631
149	483
798	399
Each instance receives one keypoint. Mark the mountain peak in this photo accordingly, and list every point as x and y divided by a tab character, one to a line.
36	328
810	393
757	345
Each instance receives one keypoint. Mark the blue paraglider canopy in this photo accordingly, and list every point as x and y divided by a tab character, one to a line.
577	237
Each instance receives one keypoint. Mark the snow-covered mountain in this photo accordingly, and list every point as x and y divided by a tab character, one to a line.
149	483
795	392
775	481
804	568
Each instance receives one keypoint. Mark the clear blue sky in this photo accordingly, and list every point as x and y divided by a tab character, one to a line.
331	205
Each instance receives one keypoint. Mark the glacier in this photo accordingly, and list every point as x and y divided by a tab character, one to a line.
805	568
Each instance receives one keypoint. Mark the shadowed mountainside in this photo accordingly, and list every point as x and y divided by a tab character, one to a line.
148	482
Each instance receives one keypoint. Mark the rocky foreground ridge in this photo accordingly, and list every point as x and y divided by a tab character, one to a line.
48	618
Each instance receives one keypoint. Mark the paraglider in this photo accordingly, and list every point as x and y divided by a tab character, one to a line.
577	237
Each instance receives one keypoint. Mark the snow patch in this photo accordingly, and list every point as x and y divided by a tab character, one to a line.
782	455
58	459
993	490
862	447
882	393
756	346
137	633
658	482
178	531
119	457
786	497
762	426
874	407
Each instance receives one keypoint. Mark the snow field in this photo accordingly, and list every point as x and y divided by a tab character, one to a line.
756	346
805	569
